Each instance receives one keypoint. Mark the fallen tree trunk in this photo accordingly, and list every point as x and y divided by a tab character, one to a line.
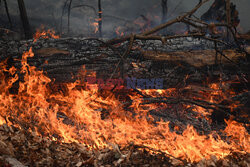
196	58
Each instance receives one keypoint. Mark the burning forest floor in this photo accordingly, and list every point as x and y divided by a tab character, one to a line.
21	146
51	117
138	100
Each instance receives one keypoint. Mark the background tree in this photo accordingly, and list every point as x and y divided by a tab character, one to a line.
100	18
164	5
7	12
24	18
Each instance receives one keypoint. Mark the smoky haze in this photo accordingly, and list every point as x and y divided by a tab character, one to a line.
116	13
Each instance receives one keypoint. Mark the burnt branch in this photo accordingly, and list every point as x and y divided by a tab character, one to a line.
124	55
223	109
171	100
161	26
176	20
164	38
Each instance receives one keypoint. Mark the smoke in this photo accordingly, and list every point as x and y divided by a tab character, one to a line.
116	13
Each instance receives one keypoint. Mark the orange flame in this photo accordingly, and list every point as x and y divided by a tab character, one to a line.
2	121
41	33
117	30
95	25
78	115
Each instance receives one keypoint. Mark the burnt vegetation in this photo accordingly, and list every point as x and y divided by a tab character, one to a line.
51	115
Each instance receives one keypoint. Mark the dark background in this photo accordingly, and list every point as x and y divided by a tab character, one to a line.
115	13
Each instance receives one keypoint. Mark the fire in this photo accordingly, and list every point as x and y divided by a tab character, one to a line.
95	25
119	32
78	115
2	121
238	134
41	33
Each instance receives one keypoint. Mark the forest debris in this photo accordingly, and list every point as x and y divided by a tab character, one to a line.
6	149
50	52
14	162
196	58
161	26
89	161
51	153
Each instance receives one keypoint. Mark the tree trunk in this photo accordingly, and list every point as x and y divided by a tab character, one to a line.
100	18
24	18
69	9
164	5
7	12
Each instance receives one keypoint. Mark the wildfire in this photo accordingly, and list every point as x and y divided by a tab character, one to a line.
41	33
2	121
119	32
76	115
95	25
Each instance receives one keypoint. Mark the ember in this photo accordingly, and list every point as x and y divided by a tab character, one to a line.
41	33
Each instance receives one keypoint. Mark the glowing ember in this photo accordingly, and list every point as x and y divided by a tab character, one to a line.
119	32
75	115
95	25
41	33
2	121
